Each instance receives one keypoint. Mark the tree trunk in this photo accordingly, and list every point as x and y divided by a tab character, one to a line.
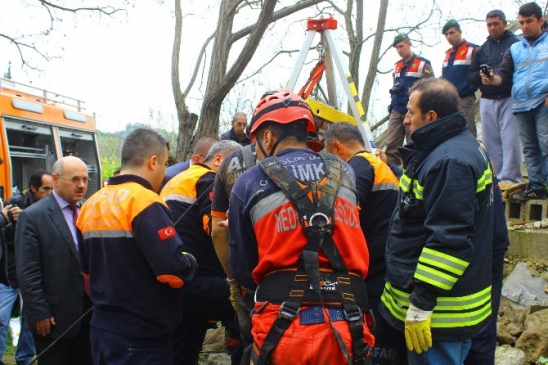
219	80
355	38
187	120
372	72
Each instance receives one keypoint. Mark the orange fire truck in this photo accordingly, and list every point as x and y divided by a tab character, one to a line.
37	127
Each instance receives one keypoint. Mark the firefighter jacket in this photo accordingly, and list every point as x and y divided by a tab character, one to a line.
265	232
190	193
530	87
455	67
439	249
405	75
377	188
491	53
134	259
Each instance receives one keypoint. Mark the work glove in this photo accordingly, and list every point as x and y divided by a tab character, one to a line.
234	291
418	336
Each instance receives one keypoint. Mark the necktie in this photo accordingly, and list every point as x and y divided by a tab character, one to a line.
74	209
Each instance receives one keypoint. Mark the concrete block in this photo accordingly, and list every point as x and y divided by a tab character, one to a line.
528	243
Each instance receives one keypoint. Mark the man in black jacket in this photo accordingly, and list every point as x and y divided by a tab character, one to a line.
499	126
40	186
237	132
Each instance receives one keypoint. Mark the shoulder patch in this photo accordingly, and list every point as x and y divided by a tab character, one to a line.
166	233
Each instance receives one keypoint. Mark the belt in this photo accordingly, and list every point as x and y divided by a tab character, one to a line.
315	315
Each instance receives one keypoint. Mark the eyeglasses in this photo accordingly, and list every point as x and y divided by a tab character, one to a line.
76	179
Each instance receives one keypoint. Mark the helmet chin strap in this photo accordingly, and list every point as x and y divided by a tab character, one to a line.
271	153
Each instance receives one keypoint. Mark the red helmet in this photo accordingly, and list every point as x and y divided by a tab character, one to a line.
281	106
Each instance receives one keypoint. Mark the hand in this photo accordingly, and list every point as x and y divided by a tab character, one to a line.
11	213
418	336
43	327
486	80
234	292
380	154
223	223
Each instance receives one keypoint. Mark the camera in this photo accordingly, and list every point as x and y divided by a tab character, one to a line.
397	89
486	70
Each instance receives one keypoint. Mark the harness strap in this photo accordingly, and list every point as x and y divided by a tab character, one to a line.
314	203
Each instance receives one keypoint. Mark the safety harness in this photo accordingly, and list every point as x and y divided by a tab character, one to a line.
310	284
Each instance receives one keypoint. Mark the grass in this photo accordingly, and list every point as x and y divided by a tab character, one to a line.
9	352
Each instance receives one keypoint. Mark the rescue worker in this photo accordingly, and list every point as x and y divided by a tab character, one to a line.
134	259
377	188
457	61
198	154
241	299
439	248
189	195
307	258
406	72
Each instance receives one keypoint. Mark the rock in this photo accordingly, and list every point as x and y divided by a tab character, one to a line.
514	329
534	342
504	336
537	319
522	288
506	355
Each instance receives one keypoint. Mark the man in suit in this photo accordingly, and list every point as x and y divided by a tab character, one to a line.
48	270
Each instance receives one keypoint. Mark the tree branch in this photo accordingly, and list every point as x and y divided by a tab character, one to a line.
267	63
197	66
288	10
107	10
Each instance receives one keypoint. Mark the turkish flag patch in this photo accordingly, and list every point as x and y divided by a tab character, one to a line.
166	233
211	196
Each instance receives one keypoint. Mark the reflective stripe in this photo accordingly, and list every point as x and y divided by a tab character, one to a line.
443	260
434	277
404	183
418	190
267	205
386	186
115	233
450	312
530	62
180	198
485	180
274	201
419	72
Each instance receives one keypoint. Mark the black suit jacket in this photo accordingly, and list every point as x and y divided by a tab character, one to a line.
48	269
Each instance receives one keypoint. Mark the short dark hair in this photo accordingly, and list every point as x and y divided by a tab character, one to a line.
496	13
36	178
438	95
529	9
296	130
344	132
140	145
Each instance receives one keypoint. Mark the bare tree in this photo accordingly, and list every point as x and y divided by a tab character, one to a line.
26	44
221	78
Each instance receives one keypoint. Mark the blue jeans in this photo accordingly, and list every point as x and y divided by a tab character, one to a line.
25	346
441	352
533	133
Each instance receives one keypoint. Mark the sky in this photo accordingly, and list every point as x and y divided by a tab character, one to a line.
121	66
